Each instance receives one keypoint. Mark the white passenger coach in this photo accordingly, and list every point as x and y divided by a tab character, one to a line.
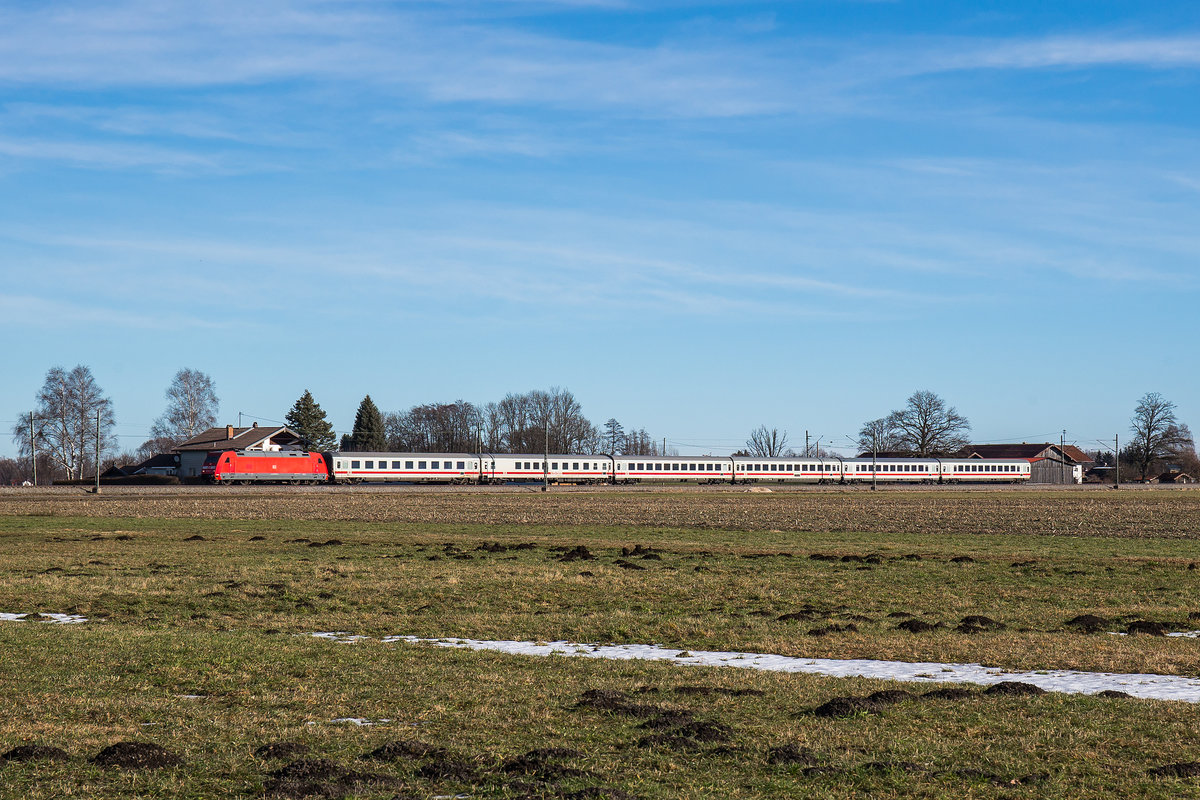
593	469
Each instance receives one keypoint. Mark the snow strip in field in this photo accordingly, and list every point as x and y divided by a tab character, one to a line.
58	619
1151	687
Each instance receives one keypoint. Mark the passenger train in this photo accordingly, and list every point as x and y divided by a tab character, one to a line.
249	466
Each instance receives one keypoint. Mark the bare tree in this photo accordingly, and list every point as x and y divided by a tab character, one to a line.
640	443
767	442
878	436
192	406
1157	434
614	436
926	426
434	428
493	428
152	447
65	420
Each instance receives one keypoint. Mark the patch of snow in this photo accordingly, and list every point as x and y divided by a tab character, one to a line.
1148	686
191	696
1177	634
54	619
341	637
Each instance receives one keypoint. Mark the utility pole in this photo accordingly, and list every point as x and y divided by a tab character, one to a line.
806	444
874	464
546	458
1116	461
33	448
1062	457
664	452
97	451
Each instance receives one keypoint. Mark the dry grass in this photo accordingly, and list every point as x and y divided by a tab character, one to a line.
1083	512
222	615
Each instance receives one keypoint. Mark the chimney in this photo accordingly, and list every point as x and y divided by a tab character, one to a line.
228	431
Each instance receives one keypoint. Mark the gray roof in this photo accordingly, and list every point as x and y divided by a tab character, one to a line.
219	438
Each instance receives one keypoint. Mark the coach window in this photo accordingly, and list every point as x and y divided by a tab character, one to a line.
553	465
420	465
434	464
587	466
408	464
370	465
354	465
462	465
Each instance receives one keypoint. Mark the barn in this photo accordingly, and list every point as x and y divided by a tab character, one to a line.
1051	463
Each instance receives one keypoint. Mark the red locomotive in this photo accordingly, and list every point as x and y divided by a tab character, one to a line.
257	466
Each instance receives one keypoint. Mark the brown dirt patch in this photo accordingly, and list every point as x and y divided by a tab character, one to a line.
136	755
1089	623
35	752
789	754
1147	628
281	750
1184	769
321	777
405	749
918	626
952	693
578	553
1014	689
844	707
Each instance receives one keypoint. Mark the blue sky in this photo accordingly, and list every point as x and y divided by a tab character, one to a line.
699	217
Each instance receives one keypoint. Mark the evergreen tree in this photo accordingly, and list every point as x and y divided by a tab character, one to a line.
307	419
368	433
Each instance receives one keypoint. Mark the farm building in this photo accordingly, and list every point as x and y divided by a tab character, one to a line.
1051	463
1176	475
192	452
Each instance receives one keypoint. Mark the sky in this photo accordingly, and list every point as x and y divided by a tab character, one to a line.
698	217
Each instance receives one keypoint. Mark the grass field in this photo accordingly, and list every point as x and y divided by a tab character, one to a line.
200	605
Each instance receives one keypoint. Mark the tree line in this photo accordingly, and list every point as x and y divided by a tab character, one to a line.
60	435
530	422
